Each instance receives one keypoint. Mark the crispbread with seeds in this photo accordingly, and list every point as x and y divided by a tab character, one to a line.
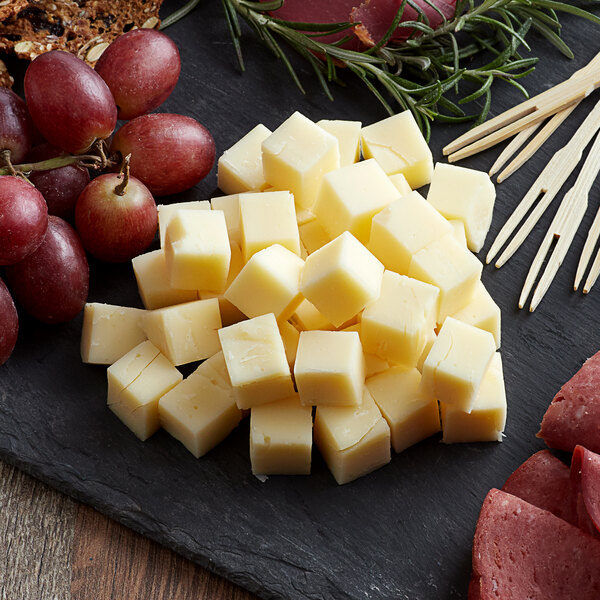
5	78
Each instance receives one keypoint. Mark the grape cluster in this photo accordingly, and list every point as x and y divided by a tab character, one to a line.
51	213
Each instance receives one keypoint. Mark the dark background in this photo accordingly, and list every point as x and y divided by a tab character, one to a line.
404	531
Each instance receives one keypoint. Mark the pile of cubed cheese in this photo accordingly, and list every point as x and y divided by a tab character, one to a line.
321	280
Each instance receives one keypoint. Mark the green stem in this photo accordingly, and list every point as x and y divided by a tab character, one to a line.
179	14
83	160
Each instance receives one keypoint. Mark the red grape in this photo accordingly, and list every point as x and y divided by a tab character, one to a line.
169	153
60	187
141	68
23	219
17	131
9	323
52	283
113	227
68	101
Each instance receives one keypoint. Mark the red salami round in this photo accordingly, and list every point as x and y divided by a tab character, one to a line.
585	480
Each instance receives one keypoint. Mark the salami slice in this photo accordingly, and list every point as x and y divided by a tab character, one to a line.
585	480
544	481
523	552
573	417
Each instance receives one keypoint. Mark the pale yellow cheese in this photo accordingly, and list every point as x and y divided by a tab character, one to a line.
398	145
308	318
167	211
256	361
455	366
374	365
329	368
240	168
400	183
297	155
313	235
450	267
428	345
281	438
135	384
153	283
403	228
348	137
109	332
458	231
341	278
268	283
482	312
268	218
349	198
185	332
486	421
230	205
201	411
197	250
465	194
304	216
353	440
290	337
411	414
396	326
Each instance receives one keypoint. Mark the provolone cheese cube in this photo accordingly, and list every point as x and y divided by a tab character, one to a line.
297	155
308	318
455	366
428	345
411	414
155	289
268	283
348	137
313	236
303	216
486	421
290	337
482	312
465	194
398	145
349	197
201	411
329	368
197	250
135	384
450	267
458	231
374	365
353	440
268	218
230	205
240	168
403	228
396	326
341	278
256	361
109	332
167	211
281	438
185	332
400	183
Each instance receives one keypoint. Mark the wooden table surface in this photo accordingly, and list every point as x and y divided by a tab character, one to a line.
54	548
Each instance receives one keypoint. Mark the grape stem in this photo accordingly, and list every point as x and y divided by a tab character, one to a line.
122	187
90	161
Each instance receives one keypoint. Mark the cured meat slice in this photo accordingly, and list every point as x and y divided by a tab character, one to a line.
585	479
573	417
544	481
521	552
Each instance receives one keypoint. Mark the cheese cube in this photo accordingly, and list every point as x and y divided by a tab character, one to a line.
464	194
455	366
167	211
297	155
400	183
330	368
396	326
482	312
201	411
281	438
450	267
353	440
374	365
458	231
268	283
304	216
411	414
341	278
197	250
349	197
290	337
266	219
155	289
308	318
135	384
403	228
426	350
240	168
230	205
313	236
256	361
486	421
398	145
186	332
109	332
348	137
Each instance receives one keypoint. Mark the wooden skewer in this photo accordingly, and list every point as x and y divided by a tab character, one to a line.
512	147
586	253
592	275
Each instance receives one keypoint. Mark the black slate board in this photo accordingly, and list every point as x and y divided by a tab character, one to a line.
403	532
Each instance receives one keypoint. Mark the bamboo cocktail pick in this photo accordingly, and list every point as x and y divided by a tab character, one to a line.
586	253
